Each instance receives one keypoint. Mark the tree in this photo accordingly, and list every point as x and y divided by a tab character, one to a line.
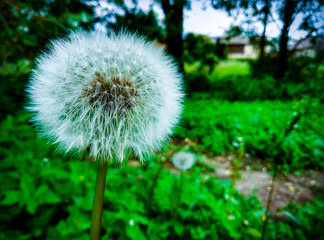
266	11
197	46
26	26
287	13
136	20
311	11
254	10
173	11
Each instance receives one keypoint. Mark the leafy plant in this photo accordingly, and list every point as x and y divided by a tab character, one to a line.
216	124
45	195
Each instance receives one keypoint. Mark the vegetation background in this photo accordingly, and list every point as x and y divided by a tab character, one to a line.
270	108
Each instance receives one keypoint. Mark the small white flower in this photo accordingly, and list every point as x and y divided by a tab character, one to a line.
131	222
183	160
109	95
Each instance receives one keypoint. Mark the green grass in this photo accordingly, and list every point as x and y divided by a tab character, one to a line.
230	69
224	69
191	67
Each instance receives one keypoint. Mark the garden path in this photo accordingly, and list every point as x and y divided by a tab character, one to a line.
255	178
299	188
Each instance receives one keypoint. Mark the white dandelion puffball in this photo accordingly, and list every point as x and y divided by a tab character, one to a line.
109	94
183	160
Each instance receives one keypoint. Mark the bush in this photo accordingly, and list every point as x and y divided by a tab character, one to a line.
243	88
267	67
48	196
246	89
12	87
217	124
300	69
196	47
300	222
196	81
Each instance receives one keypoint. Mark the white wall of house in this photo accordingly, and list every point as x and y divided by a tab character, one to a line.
306	53
249	52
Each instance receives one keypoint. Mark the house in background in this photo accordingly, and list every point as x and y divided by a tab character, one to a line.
243	47
238	47
307	47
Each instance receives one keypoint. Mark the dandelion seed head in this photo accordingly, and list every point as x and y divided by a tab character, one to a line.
110	94
183	160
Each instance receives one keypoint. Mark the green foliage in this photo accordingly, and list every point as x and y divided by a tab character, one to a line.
300	69
27	25
197	47
232	81
48	196
13	79
196	81
249	89
217	124
45	195
231	68
300	222
138	21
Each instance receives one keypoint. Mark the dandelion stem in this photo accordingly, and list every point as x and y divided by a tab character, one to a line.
98	201
154	185
177	202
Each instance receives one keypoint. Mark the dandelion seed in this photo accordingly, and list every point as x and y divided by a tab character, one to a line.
183	160
131	222
94	92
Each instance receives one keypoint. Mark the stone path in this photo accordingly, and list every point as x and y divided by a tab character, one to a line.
256	179
291	187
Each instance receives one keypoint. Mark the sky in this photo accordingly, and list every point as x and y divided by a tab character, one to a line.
214	23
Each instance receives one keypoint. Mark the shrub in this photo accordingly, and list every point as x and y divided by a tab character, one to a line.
12	85
243	88
217	124
48	196
196	81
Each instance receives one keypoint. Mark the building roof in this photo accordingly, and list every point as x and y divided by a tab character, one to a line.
308	43
238	40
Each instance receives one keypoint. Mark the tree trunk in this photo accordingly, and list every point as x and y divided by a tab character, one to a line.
263	38
289	10
174	27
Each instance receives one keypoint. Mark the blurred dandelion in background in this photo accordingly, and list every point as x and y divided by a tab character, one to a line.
183	160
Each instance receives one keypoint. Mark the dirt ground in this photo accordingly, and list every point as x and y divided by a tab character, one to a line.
255	178
287	188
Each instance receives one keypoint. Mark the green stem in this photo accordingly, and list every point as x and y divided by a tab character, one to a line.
177	202
154	185
265	224
98	201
